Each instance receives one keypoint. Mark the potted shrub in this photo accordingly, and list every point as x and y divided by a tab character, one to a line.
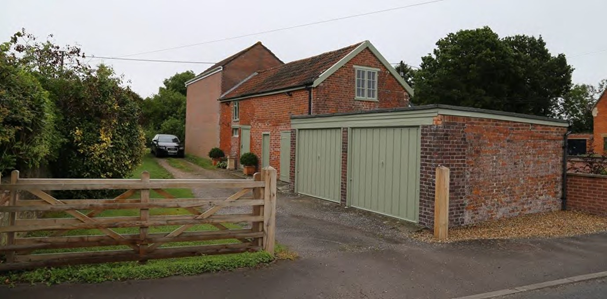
249	161
216	154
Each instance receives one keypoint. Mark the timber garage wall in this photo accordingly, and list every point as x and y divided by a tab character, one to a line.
502	164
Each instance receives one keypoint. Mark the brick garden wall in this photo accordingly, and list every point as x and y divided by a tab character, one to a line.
587	193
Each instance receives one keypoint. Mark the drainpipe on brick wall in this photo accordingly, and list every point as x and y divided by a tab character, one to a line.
564	187
309	88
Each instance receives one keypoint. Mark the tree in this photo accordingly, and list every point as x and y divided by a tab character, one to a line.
477	68
576	106
96	118
164	112
407	72
26	115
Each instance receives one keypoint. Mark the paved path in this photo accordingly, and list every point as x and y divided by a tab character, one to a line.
345	253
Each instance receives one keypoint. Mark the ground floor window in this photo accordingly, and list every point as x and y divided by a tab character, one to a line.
234	132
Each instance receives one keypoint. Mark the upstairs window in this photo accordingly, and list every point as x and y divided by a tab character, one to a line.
235	111
366	83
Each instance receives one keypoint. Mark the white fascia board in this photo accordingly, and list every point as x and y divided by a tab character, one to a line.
204	75
364	45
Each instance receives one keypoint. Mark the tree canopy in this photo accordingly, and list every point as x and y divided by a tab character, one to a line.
90	119
477	68
164	112
576	106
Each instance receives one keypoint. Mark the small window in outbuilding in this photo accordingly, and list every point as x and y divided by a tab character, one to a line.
235	111
366	83
234	132
576	147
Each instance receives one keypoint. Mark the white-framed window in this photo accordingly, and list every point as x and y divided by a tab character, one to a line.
366	83
235	110
234	132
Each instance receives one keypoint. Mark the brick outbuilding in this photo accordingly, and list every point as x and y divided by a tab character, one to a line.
502	164
599	113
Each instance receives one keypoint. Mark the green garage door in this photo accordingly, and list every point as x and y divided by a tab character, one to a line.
319	163
384	171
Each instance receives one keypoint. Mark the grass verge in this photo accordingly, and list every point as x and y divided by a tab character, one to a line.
200	161
95	273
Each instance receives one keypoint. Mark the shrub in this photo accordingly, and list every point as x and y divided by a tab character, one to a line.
222	164
249	159
216	153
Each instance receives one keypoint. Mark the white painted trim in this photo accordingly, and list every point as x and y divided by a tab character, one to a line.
239	83
204	75
262	94
366	68
356	51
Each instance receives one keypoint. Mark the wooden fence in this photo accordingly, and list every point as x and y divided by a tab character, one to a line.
26	236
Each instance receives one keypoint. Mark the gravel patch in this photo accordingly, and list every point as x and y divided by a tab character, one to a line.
545	225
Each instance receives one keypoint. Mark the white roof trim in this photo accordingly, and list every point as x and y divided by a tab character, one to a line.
204	75
364	45
239	83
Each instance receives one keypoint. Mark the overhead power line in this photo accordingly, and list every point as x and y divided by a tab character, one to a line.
287	28
151	60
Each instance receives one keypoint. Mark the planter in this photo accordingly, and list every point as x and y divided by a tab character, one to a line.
248	170
215	161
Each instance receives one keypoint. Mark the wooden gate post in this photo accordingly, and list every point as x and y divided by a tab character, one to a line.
269	213
258	193
12	218
144	214
441	203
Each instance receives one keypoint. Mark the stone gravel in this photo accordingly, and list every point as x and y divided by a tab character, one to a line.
545	225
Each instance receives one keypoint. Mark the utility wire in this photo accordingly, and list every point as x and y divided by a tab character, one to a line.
151	60
287	28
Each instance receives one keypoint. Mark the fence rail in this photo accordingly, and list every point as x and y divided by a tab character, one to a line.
26	236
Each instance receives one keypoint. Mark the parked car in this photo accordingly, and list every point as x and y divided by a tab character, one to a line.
167	145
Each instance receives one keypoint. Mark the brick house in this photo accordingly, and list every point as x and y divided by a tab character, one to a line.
599	113
256	113
203	109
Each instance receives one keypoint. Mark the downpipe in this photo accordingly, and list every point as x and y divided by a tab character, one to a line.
564	180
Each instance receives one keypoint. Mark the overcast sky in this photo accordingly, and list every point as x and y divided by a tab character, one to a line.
119	28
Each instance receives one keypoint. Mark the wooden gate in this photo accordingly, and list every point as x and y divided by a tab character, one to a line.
26	236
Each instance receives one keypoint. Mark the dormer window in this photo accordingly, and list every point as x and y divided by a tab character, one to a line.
366	83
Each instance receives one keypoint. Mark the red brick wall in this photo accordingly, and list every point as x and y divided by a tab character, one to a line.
264	114
202	115
512	169
499	169
255	59
336	93
443	144
600	124
587	193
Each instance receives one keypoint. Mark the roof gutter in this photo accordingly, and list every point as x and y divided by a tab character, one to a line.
204	75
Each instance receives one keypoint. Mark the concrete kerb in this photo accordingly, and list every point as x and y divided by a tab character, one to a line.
537	286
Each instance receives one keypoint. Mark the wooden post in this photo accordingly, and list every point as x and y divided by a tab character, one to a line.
441	203
257	210
145	216
12	216
269	213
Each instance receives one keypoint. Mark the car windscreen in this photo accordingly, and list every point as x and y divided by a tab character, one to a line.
168	139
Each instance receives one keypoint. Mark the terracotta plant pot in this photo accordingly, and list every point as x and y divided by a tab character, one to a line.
248	170
215	161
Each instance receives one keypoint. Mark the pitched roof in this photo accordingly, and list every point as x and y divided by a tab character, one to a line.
298	73
603	96
225	61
